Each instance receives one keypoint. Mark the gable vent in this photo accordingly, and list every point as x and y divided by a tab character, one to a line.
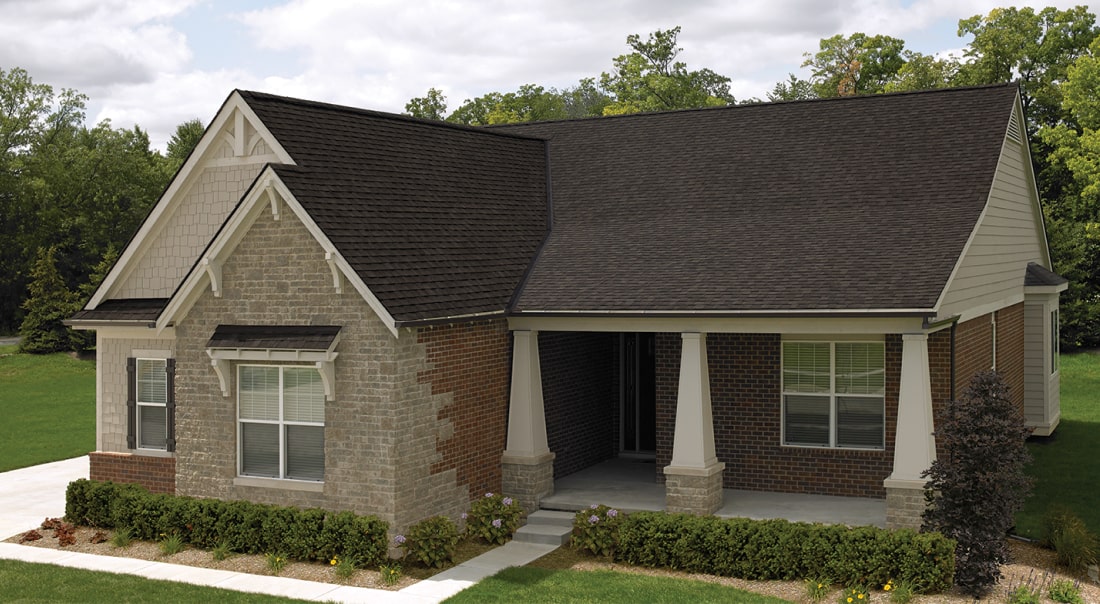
1014	132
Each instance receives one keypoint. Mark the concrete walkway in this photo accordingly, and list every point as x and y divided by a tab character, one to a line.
30	495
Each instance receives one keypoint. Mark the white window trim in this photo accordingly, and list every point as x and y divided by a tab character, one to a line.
1055	340
250	480
139	403
832	394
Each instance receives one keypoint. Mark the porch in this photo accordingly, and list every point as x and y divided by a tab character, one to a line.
628	484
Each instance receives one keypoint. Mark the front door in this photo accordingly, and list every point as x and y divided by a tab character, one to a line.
638	393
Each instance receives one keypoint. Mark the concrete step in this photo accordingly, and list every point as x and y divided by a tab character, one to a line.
551	518
543	533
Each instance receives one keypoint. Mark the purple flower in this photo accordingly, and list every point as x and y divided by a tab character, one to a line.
463	515
507	501
593	519
488	494
496	523
593	506
612	513
399	539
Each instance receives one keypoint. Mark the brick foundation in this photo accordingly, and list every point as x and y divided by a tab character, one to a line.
158	474
528	480
905	504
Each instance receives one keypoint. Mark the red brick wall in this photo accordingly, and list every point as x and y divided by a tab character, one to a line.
973	350
1010	351
473	362
745	395
581	397
158	474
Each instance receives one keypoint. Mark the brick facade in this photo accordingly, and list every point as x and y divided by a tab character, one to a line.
745	396
580	397
471	363
158	474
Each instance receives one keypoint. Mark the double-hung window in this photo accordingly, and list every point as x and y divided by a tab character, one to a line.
281	412
150	404
834	394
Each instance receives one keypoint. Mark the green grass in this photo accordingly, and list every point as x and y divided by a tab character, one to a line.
1066	466
47	403
528	584
25	582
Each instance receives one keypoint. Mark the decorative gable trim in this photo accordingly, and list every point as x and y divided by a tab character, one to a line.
259	198
236	111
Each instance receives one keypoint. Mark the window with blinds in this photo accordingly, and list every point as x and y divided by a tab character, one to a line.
281	414
152	403
834	394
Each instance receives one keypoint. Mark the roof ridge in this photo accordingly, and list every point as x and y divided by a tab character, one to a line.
385	115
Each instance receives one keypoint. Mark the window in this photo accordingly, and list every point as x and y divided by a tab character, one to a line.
150	404
282	422
834	394
1054	340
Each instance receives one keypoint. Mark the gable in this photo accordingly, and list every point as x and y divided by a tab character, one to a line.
991	271
226	160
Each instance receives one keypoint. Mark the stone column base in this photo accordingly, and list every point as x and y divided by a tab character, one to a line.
693	490
905	503
528	479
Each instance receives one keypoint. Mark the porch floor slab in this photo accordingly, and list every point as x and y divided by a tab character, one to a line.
629	485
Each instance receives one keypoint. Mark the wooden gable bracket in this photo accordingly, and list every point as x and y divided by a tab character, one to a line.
327	370
221	368
274	202
337	280
213	269
323	360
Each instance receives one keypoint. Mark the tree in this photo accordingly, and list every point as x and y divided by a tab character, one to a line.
924	72
50	303
432	106
183	141
585	99
859	64
975	490
651	79
794	89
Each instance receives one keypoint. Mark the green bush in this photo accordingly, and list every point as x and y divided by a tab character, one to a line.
782	550
493	518
596	530
1068	535
431	542
236	526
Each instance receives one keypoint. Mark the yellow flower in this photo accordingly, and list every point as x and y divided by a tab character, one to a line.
332	562
887	587
849	599
860	596
820	586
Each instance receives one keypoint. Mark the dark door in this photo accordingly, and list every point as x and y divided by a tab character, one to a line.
639	393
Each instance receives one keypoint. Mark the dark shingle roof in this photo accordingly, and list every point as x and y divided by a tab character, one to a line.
274	337
856	203
126	310
1039	275
437	220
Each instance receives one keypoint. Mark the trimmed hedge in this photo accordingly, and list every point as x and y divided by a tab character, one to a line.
248	528
782	550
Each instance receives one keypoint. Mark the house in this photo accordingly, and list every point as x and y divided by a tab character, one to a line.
348	309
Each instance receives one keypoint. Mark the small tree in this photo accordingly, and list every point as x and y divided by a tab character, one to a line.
975	491
50	302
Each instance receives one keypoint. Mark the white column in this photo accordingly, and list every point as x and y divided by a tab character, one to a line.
526	417
914	445
693	442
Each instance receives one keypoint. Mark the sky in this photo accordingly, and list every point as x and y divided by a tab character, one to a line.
157	63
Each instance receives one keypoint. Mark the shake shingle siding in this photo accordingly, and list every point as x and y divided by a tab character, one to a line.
846	204
437	221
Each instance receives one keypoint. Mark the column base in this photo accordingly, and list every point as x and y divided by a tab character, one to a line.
528	479
693	490
905	503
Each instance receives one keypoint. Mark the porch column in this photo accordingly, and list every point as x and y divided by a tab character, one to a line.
693	481
914	444
527	465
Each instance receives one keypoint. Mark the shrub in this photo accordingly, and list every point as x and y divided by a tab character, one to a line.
1024	595
230	526
1071	539
390	573
276	562
817	589
493	518
976	488
171	544
1064	590
431	542
782	550
596	530
122	537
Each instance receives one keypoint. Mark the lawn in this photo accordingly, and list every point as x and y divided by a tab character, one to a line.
1066	466
47	403
25	582
542	585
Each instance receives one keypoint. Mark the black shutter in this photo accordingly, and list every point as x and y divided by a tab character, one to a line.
131	403
170	405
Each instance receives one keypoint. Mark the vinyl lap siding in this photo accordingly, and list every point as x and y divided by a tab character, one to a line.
1008	238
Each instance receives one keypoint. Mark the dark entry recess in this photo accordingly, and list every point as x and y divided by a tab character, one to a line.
638	393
